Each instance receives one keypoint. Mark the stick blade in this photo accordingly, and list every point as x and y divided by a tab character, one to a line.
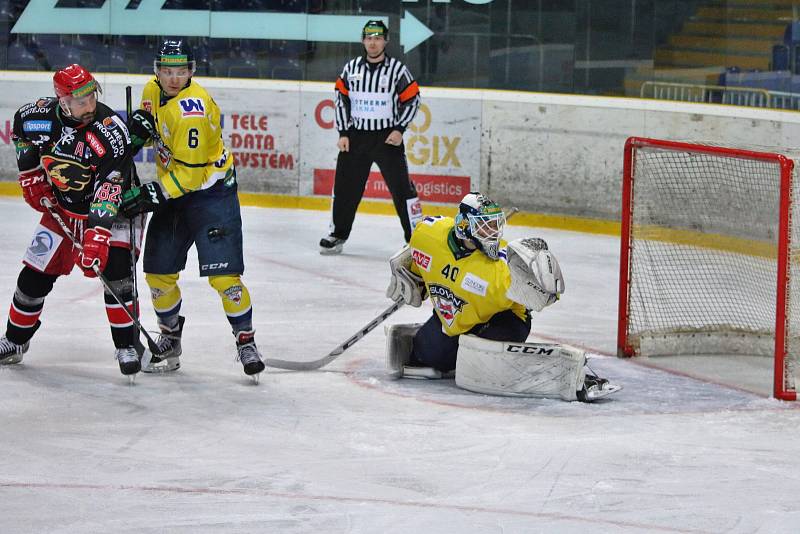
293	365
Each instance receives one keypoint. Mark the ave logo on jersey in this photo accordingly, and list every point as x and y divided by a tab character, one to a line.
192	107
446	303
422	260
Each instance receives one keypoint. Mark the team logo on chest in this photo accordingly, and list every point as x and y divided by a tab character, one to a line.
446	303
66	175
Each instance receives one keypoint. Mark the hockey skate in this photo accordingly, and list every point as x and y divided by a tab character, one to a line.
128	361
169	348
10	352
248	354
331	245
595	388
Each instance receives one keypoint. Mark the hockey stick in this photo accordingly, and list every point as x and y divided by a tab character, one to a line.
352	340
152	344
132	227
335	353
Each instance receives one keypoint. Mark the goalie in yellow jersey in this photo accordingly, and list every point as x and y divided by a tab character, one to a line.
194	202
482	290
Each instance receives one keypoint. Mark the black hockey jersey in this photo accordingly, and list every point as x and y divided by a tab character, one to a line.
88	166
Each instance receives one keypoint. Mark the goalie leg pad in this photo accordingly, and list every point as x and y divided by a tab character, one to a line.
519	369
399	341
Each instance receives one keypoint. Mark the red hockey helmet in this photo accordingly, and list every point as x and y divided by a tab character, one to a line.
74	81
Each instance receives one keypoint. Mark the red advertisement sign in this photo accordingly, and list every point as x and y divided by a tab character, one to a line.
254	146
5	133
430	187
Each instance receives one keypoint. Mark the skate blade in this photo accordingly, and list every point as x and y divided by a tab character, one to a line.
331	251
132	379
165	366
147	357
594	393
255	378
422	373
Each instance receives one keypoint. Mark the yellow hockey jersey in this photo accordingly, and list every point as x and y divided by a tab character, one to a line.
190	153
466	288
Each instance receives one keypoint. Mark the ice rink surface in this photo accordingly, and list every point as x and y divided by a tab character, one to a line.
344	449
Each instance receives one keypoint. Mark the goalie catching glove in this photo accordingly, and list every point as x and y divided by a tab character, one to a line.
536	280
404	284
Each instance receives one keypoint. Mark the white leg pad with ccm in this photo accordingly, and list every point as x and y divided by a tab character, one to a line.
519	369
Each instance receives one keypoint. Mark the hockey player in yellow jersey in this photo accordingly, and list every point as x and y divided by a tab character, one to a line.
190	154
483	287
194	202
455	262
467	288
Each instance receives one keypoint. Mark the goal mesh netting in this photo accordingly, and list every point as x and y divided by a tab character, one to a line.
709	253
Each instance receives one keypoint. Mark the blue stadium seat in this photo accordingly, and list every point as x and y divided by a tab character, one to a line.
20	57
59	58
780	57
243	71
792	33
111	58
286	69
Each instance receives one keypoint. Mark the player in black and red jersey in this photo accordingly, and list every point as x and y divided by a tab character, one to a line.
74	152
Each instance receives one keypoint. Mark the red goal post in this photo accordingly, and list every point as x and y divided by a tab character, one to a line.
708	263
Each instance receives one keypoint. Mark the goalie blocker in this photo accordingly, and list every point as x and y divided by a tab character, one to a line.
504	368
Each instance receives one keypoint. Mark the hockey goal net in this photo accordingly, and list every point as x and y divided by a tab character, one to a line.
709	259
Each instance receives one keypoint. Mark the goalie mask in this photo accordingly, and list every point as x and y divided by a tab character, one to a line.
480	221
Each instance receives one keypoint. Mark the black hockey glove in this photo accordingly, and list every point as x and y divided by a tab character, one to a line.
142	127
146	198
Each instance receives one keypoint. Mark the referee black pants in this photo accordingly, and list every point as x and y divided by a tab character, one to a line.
352	171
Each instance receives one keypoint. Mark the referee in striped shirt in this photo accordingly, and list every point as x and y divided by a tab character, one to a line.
376	100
